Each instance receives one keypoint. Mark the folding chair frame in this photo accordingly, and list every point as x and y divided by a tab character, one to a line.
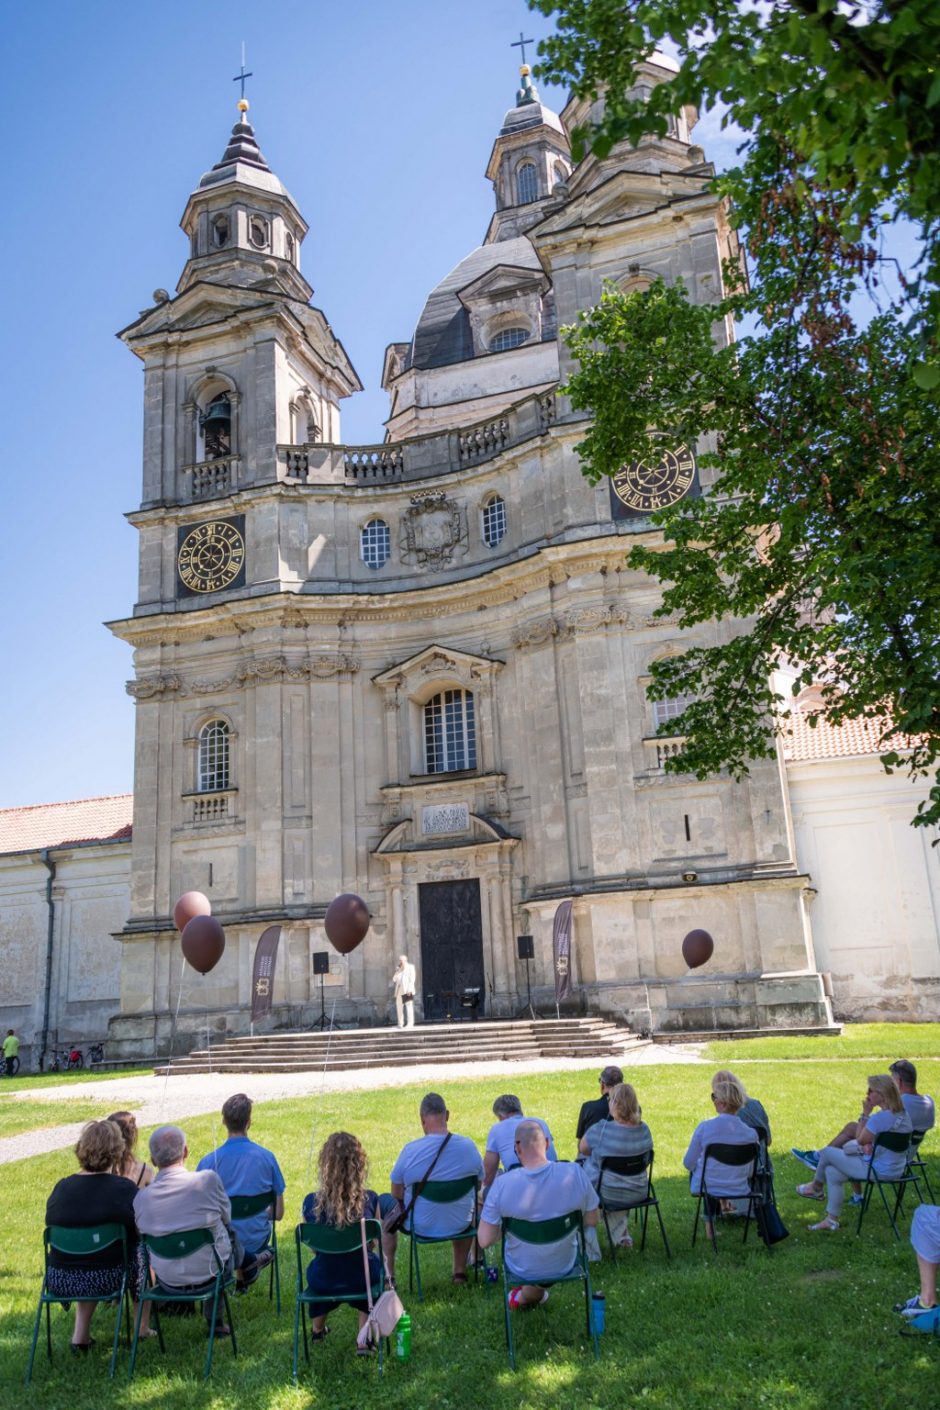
917	1162
78	1242
243	1207
320	1238
898	1142
728	1154
170	1246
447	1192
549	1231
632	1165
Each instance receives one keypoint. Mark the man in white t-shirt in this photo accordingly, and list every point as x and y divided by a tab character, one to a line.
539	1189
501	1140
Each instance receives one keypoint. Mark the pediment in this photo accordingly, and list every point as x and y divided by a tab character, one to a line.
624	196
502	279
438	663
197	307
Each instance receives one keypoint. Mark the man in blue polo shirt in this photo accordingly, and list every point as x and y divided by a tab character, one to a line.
456	1160
245	1168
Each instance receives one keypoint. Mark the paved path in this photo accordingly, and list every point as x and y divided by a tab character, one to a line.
157	1099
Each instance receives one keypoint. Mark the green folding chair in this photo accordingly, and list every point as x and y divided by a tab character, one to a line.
181	1245
550	1231
899	1142
79	1243
321	1238
447	1192
244	1207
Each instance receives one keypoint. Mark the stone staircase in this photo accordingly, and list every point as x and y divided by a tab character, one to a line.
511	1041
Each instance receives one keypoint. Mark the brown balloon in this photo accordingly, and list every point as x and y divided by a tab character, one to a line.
203	942
697	948
191	903
347	920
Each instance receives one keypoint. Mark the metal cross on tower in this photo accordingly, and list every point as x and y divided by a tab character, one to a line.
243	77
521	42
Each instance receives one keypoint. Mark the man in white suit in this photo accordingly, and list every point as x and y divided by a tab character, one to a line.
403	983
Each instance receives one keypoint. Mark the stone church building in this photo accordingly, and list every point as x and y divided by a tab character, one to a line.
417	670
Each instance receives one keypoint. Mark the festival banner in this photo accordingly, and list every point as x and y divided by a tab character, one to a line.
561	951
262	979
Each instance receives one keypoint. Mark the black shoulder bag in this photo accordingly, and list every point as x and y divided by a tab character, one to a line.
398	1217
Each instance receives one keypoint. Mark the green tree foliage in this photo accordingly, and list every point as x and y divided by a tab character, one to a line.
817	545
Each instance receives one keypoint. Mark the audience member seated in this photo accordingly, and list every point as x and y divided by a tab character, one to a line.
342	1199
725	1182
430	1158
537	1189
925	1241
598	1109
501	1140
837	1164
624	1134
245	1168
94	1196
178	1199
919	1108
752	1114
129	1165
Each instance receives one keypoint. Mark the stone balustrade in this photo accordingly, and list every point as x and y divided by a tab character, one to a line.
211	478
420	457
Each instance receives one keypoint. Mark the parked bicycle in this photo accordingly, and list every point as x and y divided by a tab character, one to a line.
14	1067
96	1053
68	1060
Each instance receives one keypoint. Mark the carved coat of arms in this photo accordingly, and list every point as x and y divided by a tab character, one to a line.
433	531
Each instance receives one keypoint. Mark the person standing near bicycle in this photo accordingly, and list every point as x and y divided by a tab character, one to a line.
11	1052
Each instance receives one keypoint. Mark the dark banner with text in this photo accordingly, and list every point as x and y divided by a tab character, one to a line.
561	951
262	979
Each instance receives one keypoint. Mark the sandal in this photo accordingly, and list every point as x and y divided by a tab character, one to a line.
459	1278
825	1226
809	1191
320	1336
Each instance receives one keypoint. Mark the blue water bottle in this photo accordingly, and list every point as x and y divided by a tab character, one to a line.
599	1312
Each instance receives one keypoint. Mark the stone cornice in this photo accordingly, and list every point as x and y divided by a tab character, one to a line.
549	566
261	670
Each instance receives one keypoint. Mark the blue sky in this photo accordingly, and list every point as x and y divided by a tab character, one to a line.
378	118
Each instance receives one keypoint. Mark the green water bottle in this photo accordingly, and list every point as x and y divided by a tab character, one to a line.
403	1338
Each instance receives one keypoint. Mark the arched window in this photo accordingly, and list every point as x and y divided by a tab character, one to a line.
508	338
290	247
220	230
527	186
375	543
559	174
670	709
258	232
450	737
213	757
216	426
494	521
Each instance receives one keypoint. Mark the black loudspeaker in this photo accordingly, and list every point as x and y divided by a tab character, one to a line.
321	961
525	944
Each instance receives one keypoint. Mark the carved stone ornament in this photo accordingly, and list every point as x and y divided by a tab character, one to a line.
536	632
211	687
433	531
591	619
279	668
149	686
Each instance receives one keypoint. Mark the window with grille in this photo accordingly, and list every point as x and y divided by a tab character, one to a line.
494	521
375	543
450	732
508	338
664	710
526	184
213	757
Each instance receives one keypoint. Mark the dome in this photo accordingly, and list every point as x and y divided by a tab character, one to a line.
443	335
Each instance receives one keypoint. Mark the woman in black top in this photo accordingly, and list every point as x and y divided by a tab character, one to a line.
93	1196
341	1200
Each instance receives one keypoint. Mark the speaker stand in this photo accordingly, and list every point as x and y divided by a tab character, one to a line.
323	1023
528	1011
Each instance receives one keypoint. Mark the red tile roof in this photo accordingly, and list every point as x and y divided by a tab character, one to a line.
854	738
61	824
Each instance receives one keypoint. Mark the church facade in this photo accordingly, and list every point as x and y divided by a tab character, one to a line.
418	670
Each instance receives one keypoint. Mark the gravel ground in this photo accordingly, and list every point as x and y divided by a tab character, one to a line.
157	1099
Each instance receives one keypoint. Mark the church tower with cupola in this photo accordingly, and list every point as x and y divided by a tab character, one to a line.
418	670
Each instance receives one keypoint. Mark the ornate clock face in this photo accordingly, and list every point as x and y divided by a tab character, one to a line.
211	556
645	486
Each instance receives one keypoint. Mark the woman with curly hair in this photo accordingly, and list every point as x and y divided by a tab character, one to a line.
341	1200
129	1166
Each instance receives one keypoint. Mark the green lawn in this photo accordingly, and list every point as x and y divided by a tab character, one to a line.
29	1081
808	1327
857	1041
17	1116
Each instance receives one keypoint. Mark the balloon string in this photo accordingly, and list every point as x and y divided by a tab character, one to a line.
326	1059
176	1018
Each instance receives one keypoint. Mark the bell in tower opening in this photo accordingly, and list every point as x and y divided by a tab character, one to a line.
216	426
